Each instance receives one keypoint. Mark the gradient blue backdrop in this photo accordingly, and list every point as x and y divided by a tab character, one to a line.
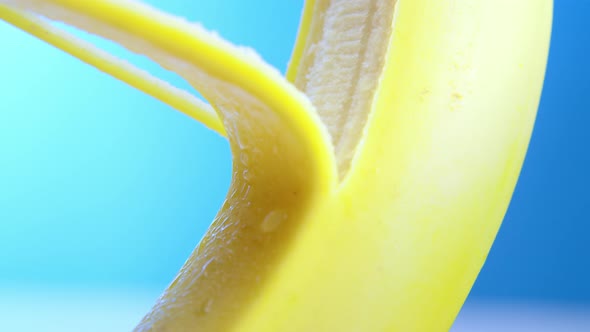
102	186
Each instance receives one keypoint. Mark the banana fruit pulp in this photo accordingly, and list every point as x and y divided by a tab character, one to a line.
369	184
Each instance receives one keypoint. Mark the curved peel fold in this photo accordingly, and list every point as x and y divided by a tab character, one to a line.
143	81
382	219
281	153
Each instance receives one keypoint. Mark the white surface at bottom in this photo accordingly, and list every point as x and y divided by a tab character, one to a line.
112	310
522	317
73	310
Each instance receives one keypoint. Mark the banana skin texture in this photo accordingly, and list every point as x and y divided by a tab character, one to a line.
368	184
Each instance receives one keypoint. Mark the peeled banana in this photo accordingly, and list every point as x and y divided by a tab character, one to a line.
368	184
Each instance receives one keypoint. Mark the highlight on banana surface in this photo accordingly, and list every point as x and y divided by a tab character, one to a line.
368	184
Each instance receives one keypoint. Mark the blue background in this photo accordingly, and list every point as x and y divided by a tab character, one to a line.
104	187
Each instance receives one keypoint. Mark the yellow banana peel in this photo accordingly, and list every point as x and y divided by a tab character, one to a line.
369	184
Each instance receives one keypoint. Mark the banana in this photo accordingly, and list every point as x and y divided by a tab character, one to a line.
369	183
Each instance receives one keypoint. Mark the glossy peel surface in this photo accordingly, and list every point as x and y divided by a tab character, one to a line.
444	145
367	188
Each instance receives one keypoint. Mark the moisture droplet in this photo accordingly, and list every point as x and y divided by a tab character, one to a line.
247	175
240	140
206	306
244	159
272	220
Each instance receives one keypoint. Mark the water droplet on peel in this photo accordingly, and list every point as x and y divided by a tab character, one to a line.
273	220
206	306
247	192
244	159
240	141
247	175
